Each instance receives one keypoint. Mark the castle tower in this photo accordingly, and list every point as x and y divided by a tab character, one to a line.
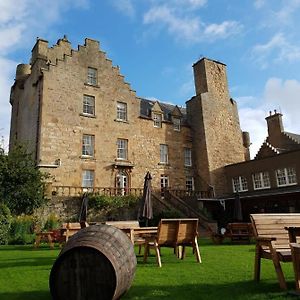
213	116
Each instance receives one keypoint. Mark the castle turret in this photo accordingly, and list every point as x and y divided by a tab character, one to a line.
215	125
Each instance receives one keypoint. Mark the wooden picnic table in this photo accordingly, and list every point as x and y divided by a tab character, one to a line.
139	232
43	236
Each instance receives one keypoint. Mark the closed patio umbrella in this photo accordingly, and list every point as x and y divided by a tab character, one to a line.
237	210
145	210
83	210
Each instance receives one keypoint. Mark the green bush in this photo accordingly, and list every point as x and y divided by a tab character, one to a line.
52	222
5	220
22	230
109	203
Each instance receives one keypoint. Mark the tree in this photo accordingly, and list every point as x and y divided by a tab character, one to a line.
21	183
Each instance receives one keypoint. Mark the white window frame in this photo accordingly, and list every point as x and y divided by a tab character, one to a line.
286	176
164	158
261	180
88	145
187	157
92	76
121	111
189	183
88	178
176	124
122	149
239	184
88	105
157	120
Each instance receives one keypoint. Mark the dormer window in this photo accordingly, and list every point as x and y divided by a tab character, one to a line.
157	120
176	124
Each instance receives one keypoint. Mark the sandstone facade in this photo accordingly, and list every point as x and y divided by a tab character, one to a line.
85	125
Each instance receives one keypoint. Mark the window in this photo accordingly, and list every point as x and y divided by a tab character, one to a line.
92	76
187	157
89	105
157	120
239	184
88	178
286	176
164	181
122	149
176	124
88	145
163	154
189	183
261	180
121	111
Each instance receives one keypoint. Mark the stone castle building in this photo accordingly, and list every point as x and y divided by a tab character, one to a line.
88	128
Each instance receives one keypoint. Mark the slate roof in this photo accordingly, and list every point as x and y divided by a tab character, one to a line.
146	107
293	136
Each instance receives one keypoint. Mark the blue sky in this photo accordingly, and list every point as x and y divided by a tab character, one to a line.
156	42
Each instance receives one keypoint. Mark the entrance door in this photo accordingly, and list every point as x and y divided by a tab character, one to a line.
122	183
164	184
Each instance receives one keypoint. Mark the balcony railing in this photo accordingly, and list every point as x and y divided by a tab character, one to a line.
111	191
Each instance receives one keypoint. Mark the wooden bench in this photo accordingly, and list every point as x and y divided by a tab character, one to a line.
272	241
69	229
239	232
174	233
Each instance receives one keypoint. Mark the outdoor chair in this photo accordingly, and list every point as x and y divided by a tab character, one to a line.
273	234
177	234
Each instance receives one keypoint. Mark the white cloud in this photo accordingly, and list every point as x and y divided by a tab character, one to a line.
282	95
223	30
184	26
259	3
253	121
288	9
285	96
125	6
277	49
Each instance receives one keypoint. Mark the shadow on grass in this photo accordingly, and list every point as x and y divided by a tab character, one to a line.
239	290
32	295
17	263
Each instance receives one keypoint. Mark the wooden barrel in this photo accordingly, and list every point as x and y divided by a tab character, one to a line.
96	263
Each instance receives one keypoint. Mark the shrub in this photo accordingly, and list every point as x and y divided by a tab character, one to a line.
5	220
21	231
110	203
52	222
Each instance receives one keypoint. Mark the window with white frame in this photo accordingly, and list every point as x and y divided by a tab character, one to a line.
122	150
176	124
157	120
286	176
121	111
92	76
239	184
261	180
88	178
88	105
188	157
163	154
189	183
88	142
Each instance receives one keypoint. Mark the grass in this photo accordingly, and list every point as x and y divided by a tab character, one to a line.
225	273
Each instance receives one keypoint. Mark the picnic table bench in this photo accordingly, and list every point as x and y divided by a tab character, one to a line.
239	232
273	240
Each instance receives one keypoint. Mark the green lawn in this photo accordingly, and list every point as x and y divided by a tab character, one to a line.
225	273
